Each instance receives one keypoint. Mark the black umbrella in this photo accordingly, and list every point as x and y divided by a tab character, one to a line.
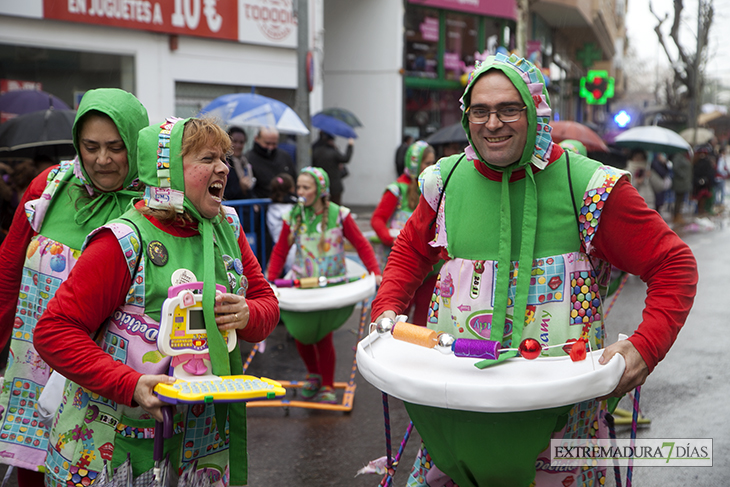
43	131
343	114
451	134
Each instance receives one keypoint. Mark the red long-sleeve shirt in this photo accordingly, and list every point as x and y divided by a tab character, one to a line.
351	232
12	256
631	236
96	287
385	209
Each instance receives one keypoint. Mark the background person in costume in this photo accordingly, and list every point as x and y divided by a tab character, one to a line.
395	207
59	208
318	227
178	233
508	213
327	156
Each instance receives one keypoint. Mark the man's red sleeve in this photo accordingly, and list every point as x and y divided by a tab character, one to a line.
12	256
363	248
636	239
262	303
409	262
97	285
279	253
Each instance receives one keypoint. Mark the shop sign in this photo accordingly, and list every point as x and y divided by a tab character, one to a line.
269	22
204	18
505	9
430	29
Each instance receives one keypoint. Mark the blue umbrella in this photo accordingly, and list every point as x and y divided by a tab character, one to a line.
333	126
19	102
250	109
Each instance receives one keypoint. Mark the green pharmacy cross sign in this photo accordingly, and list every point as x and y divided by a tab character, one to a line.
596	87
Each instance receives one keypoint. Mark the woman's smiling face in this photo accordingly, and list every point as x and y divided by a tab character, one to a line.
205	173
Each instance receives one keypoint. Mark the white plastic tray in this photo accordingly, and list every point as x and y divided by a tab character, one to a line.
426	376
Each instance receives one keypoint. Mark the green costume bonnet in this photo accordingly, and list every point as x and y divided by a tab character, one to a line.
77	192
529	82
413	158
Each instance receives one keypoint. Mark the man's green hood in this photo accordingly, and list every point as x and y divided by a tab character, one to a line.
127	113
531	85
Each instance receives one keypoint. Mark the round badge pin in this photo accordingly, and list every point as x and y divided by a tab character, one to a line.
232	280
228	261
182	276
157	253
244	286
238	266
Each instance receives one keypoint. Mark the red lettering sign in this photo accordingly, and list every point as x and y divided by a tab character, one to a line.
203	18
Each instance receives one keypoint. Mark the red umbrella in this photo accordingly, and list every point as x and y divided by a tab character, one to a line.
563	130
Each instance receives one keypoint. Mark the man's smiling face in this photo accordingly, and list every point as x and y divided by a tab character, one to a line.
500	144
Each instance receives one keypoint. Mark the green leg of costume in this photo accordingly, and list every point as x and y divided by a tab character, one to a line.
486	449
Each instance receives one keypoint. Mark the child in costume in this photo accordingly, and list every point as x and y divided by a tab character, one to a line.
60	207
179	232
529	229
390	216
318	227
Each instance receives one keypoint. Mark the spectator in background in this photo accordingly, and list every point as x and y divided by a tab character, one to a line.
240	180
267	160
681	183
703	179
289	144
660	179
638	167
400	154
326	155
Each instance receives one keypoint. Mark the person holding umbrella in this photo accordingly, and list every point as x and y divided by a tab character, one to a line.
326	155
179	232
60	207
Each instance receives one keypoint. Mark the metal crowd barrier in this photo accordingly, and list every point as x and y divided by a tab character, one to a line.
252	214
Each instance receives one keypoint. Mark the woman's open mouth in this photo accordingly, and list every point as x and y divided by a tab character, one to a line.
216	191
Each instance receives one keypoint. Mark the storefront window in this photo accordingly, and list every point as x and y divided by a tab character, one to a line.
422	40
66	74
429	110
461	44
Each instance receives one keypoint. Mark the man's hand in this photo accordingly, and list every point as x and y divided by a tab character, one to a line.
386	314
145	396
636	370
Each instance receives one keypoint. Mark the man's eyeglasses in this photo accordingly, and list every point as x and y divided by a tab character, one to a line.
478	115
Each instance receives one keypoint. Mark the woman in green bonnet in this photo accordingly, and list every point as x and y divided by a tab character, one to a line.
395	208
318	228
61	206
179	232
